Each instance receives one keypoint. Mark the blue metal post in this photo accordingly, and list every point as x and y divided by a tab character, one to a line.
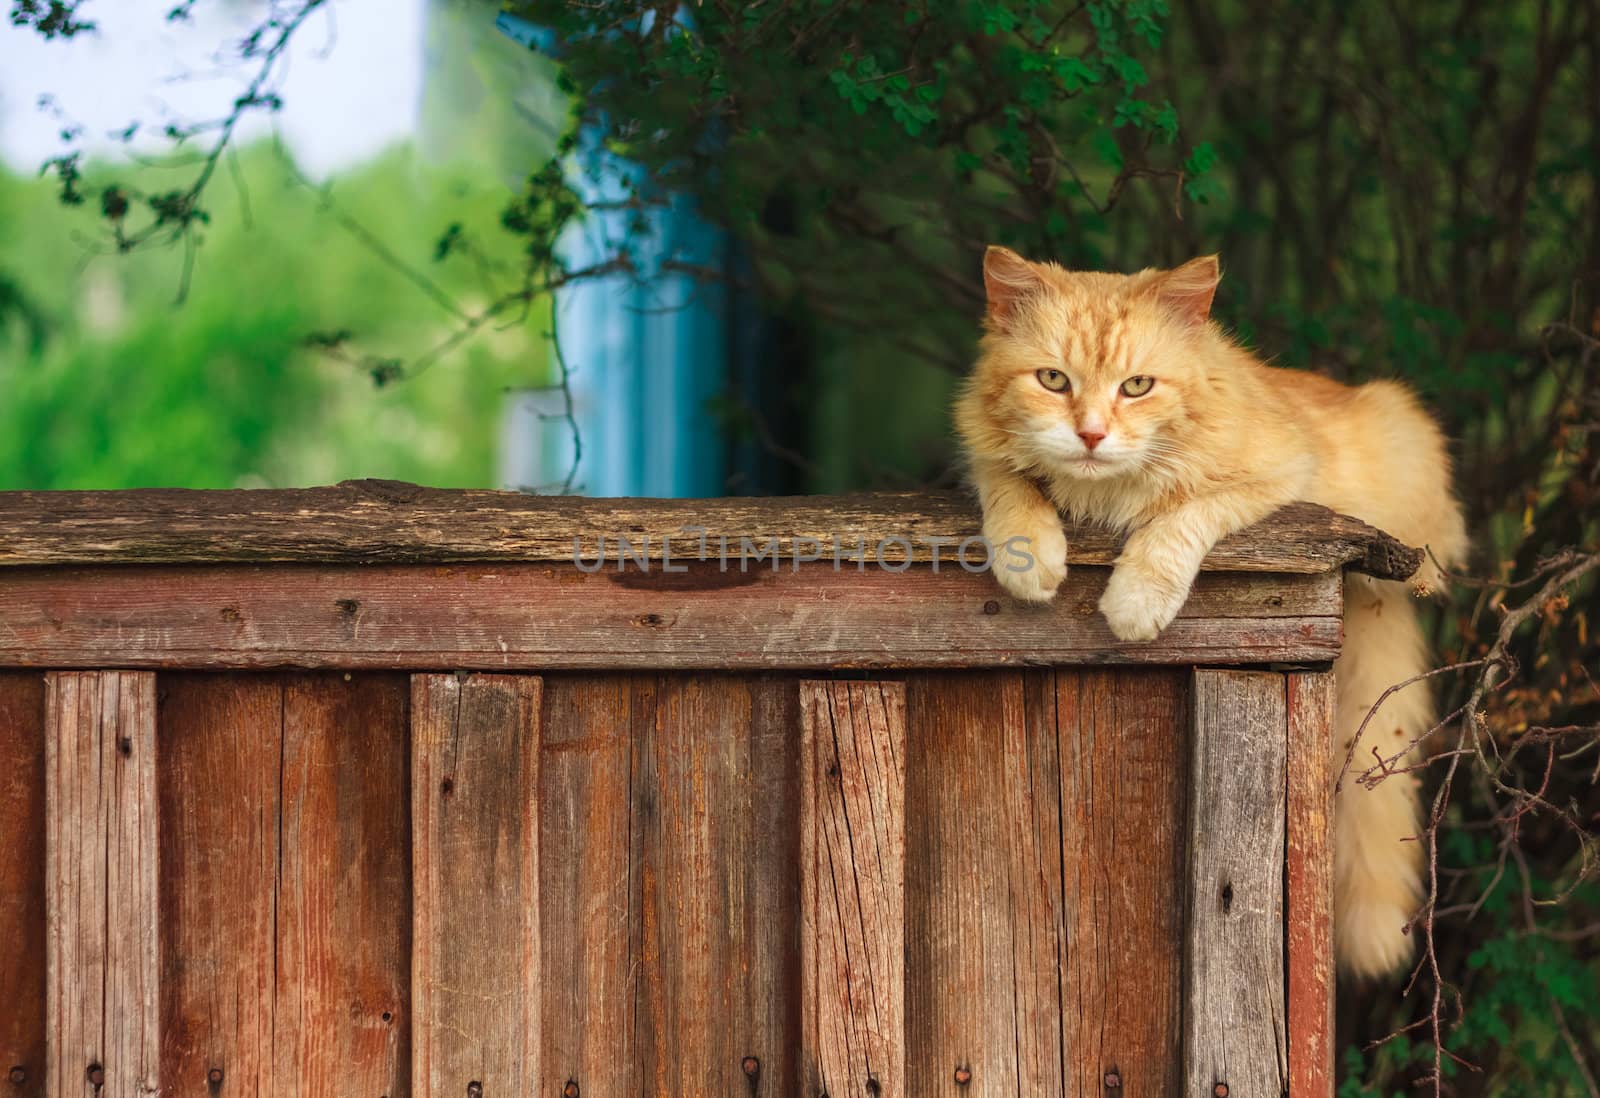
648	350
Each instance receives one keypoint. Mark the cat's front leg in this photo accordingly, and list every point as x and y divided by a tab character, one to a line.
1144	594
1029	546
1160	560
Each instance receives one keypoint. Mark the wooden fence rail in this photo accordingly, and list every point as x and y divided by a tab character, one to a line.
351	793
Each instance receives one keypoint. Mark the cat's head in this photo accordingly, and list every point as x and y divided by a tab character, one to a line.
1088	375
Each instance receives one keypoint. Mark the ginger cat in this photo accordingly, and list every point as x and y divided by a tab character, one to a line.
1116	399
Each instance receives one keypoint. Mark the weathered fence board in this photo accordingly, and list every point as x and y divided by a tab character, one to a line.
101	892
285	934
716	893
1309	879
1029	788
973	1011
1235	1025
549	617
341	1021
219	756
1045	932
475	857
386	521
22	883
765	1026
1123	741
669	884
853	855
585	883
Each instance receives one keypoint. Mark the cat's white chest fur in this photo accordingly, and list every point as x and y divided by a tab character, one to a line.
1120	503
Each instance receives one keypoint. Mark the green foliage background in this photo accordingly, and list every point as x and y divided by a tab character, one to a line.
109	382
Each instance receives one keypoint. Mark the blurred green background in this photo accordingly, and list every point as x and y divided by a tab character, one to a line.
110	382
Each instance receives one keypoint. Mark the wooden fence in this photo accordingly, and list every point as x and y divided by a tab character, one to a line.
375	791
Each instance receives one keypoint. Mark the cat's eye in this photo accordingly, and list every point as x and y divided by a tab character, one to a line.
1138	386
1054	380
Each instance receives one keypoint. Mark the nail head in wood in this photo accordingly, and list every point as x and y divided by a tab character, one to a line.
1113	1080
214	1077
96	1075
751	1066
991	607
18	1075
474	1089
571	1089
1220	1090
963	1076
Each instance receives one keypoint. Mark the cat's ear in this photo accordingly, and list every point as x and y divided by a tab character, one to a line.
1007	279
1187	290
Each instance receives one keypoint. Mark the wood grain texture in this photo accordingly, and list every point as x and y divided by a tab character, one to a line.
984	941
1028	787
1044	883
1234	1017
341	1021
585	882
853	854
475	857
1309	879
221	755
285	934
387	521
669	884
1122	744
765	946
103	1021
22	883
715	859
548	617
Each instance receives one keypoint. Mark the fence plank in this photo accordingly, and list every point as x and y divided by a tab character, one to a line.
1310	698
584	884
22	883
715	893
101	891
543	617
475	850
219	782
1234	1014
374	521
852	851
1028	784
1123	759
341	1020
769	1019
984	902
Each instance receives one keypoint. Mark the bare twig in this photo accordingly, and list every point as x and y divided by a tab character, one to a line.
1496	669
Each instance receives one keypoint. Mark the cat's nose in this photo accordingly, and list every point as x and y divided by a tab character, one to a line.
1091	439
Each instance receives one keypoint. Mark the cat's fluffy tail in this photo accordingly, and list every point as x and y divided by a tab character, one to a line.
1377	855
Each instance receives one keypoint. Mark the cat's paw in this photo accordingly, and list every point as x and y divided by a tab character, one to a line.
1138	608
1031	570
